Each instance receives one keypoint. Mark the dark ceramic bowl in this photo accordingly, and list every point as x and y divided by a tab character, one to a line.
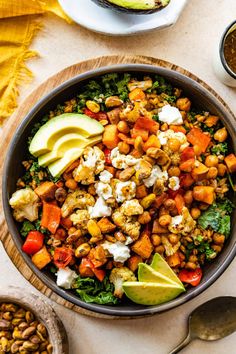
18	149
107	5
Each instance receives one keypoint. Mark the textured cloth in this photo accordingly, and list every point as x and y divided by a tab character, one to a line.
19	21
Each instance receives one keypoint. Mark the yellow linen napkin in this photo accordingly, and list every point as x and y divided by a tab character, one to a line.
18	24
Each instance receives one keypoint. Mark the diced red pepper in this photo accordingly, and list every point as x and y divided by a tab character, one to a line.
62	256
99	273
179	201
33	242
187	153
192	277
107	153
51	216
97	116
145	123
187	166
186	180
198	138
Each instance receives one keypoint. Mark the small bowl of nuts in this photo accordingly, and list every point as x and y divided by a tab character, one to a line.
29	325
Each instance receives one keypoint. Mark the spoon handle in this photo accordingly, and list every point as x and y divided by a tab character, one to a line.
182	345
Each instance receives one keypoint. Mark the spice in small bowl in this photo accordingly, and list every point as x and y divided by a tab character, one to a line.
225	57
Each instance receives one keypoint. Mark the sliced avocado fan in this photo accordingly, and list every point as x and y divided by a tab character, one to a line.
140	4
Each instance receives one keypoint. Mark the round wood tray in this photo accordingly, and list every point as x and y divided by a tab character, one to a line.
13	122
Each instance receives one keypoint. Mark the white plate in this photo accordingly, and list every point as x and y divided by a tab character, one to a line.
89	15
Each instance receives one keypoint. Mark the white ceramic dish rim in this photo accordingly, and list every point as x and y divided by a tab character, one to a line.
159	20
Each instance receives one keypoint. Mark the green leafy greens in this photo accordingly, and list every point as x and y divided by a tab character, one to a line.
92	290
217	216
220	149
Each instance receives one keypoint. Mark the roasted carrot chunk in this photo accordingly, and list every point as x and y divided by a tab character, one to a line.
230	161
197	137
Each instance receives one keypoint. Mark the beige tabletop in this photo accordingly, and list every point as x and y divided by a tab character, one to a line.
190	44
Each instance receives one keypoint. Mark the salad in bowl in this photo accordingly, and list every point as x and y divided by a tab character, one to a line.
126	191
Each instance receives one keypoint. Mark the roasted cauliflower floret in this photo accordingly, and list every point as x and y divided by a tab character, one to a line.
118	276
131	207
127	224
76	200
169	248
25	203
92	162
80	218
182	224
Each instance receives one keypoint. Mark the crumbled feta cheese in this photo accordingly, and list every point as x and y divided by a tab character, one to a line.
170	115
103	190
125	191
170	134
93	158
122	161
100	209
156	173
118	250
176	220
131	207
65	277
105	176
174	183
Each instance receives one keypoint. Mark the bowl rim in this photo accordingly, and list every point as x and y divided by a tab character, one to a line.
110	310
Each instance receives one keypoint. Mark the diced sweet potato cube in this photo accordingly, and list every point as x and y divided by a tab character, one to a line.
204	194
230	161
173	260
199	172
106	225
46	191
158	229
143	246
41	258
133	262
211	121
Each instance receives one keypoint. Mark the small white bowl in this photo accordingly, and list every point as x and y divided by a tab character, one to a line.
221	68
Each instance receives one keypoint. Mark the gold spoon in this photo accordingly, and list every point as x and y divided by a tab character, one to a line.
215	319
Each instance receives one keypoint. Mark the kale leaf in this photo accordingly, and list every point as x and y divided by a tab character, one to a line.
217	217
26	228
92	290
220	149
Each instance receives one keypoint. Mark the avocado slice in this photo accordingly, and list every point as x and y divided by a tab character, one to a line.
148	274
140	4
65	143
161	266
151	293
46	137
59	166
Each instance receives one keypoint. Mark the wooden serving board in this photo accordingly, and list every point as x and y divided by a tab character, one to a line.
14	121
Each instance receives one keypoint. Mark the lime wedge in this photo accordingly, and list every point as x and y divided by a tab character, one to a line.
151	293
161	266
148	274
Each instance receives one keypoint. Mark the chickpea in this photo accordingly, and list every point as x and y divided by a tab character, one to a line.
221	169
144	218
195	213
164	127
173	238
123	127
197	150
216	248
117	174
219	239
184	104
174	144
82	250
193	258
212	173
221	135
169	204
188	197
71	184
163	211
156	240
165	220
190	265
123	147
174	171
71	230
211	161
160	249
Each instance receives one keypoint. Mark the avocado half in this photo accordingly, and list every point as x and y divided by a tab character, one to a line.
140	7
